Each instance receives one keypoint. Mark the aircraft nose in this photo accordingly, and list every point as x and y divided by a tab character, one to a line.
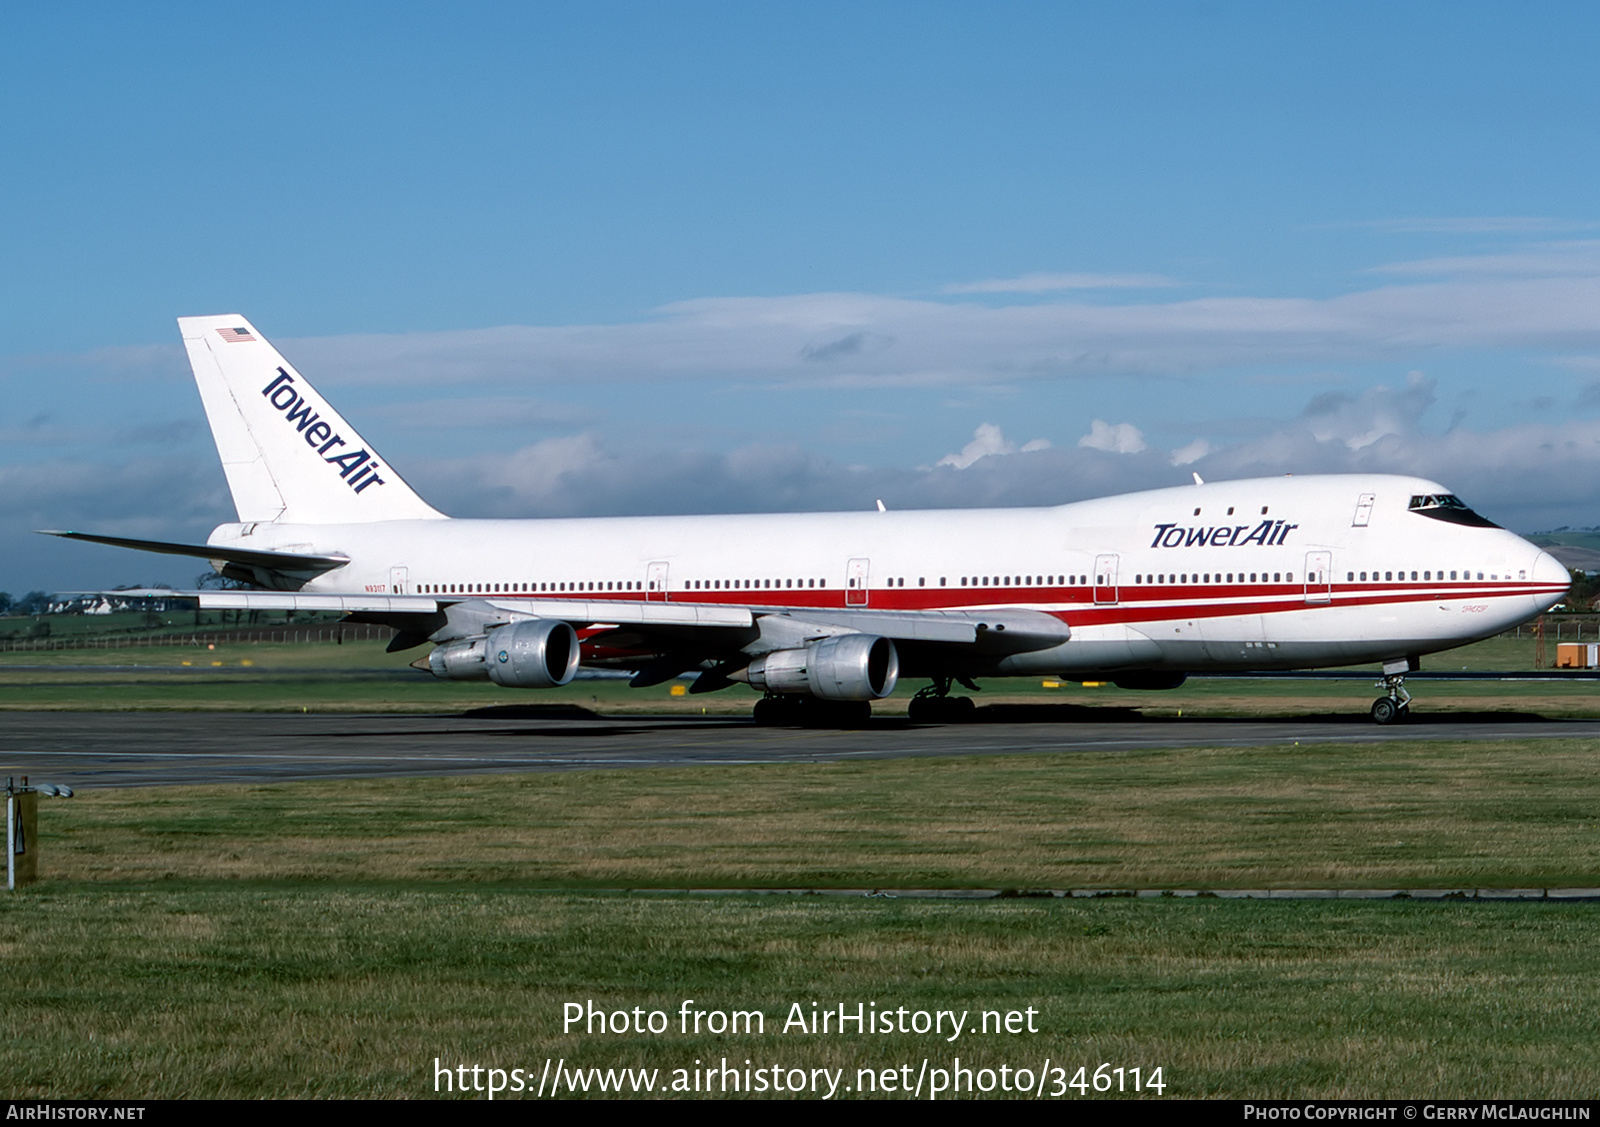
1548	569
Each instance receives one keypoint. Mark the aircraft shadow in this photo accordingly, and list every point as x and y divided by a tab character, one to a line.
1071	713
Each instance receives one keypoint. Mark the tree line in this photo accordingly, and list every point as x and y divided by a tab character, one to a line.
34	602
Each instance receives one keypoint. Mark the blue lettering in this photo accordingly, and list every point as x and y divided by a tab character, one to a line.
351	462
281	377
1266	534
1258	535
301	411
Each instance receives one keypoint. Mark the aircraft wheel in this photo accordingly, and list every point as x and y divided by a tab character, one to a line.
940	710
777	712
1385	711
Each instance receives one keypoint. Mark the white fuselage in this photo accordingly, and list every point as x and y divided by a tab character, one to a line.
1267	573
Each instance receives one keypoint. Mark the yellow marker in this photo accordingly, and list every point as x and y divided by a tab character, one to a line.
216	663
247	661
188	663
1051	684
1093	684
680	690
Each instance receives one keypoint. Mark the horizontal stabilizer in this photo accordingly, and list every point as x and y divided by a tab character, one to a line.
217	553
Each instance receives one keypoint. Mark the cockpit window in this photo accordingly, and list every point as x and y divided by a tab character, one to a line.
1449	508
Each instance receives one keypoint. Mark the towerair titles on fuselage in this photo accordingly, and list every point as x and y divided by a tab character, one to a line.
1267	534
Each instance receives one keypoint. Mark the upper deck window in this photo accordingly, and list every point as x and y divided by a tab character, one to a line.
1447	507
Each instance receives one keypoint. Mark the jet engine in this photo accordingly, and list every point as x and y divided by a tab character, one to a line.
848	667
539	653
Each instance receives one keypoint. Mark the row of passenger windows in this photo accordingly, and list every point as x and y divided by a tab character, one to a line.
524	588
1218	577
965	581
1427	576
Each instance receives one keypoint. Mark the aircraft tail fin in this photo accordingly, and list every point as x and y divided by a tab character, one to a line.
287	454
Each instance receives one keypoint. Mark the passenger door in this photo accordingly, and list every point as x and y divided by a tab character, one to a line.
1105	579
855	585
1319	577
655	584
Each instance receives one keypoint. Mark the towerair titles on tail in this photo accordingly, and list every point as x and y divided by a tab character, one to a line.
358	468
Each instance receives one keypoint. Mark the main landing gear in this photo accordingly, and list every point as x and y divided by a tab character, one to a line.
1396	704
935	705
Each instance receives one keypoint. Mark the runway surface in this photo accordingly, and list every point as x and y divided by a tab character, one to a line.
122	749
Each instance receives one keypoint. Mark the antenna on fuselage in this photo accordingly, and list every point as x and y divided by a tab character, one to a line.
1196	476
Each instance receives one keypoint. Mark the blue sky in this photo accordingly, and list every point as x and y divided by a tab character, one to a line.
675	258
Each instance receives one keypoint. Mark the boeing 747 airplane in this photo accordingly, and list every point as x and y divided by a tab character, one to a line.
825	612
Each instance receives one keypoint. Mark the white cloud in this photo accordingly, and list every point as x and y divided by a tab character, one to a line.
1473	225
1046	283
1187	455
479	413
1577	258
1540	297
987	440
1123	438
1360	420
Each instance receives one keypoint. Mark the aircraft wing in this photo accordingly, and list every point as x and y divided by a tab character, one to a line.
579	612
1002	629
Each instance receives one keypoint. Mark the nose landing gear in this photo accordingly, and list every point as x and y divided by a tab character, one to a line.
1396	704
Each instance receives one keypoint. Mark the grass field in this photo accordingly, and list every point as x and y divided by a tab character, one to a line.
333	940
1351	816
346	991
360	677
307	940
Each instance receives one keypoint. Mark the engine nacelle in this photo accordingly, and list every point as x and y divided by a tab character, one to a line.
540	653
460	660
848	667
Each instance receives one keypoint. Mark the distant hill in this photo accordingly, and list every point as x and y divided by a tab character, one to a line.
1576	548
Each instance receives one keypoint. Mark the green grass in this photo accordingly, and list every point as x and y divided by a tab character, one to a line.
352	992
1346	816
332	940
